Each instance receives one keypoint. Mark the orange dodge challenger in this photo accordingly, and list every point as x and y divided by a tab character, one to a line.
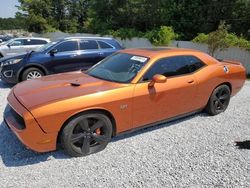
131	89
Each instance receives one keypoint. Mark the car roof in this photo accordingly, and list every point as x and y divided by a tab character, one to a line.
95	38
156	51
38	38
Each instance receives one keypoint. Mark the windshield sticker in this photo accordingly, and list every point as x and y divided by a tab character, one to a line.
138	58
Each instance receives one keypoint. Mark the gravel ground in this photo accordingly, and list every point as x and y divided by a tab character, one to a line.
197	151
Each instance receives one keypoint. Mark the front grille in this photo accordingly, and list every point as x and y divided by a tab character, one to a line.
14	118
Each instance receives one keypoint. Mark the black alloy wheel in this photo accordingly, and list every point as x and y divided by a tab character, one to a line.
219	100
86	134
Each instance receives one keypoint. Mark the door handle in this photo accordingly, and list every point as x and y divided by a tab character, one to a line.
190	81
101	53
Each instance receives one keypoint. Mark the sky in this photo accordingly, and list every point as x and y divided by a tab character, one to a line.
7	8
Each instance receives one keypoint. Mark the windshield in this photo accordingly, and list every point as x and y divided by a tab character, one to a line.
45	47
120	67
7	42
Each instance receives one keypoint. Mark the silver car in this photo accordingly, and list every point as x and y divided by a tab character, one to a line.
21	45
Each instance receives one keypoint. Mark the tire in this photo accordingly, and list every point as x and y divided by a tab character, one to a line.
219	100
86	134
31	73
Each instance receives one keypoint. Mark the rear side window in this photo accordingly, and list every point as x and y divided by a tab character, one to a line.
27	42
67	46
37	42
88	45
194	63
174	66
104	45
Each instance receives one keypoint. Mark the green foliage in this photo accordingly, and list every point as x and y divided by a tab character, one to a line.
37	24
234	40
133	17
48	15
186	17
162	36
124	33
220	40
217	40
201	38
11	23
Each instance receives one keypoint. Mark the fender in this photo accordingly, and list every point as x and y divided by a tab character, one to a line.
32	65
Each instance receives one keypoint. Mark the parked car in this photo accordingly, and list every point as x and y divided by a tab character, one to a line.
5	38
21	45
128	90
65	55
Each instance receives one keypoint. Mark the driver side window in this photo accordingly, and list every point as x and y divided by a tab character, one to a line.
172	66
17	42
67	46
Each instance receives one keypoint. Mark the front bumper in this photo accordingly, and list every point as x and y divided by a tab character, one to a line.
8	76
30	134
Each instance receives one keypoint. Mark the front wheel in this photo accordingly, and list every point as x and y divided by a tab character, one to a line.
32	73
86	134
219	100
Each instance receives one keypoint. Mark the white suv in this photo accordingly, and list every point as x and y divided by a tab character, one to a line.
21	45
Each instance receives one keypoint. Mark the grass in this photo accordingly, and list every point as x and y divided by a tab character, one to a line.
248	77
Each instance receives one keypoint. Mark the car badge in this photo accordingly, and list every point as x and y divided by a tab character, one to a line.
123	106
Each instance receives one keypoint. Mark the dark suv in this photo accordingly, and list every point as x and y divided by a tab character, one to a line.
64	55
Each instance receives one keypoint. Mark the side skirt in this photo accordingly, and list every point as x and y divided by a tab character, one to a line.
160	122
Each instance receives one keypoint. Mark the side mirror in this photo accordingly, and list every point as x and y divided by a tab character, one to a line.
8	45
53	52
157	79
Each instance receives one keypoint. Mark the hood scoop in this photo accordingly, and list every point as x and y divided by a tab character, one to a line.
75	84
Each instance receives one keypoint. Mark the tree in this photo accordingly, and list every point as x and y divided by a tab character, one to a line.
63	15
186	17
11	23
162	36
240	22
217	39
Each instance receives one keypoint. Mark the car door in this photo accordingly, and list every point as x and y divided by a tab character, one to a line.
33	44
28	45
90	53
164	100
64	57
15	47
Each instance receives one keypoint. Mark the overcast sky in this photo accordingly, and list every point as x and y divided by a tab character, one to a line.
7	8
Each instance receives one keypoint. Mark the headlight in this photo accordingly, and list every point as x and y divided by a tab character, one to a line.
10	62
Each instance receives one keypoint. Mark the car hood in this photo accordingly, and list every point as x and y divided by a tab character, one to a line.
20	56
25	55
37	92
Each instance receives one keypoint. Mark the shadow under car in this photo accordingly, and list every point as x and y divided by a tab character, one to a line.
14	153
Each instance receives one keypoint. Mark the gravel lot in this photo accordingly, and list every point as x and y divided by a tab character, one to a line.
197	151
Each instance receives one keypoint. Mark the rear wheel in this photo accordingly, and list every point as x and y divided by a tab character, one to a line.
86	134
31	73
219	100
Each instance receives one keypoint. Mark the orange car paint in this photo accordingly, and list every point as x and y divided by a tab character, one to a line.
47	103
